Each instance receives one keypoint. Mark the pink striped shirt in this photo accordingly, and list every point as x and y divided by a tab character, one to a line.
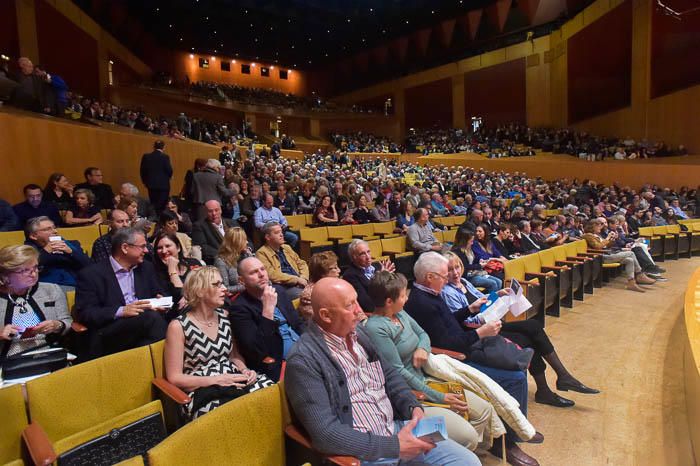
371	408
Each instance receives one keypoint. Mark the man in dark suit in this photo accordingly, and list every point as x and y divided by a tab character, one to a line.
34	206
156	172
265	324
111	297
209	233
104	196
361	270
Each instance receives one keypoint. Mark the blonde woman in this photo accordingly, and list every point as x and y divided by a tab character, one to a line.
233	248
30	312
201	357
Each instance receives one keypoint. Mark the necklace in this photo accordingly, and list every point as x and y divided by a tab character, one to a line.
208	323
21	303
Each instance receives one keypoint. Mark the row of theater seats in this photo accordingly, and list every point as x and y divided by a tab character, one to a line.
86	235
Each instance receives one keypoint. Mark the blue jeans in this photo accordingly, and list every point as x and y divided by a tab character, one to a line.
489	282
291	239
446	453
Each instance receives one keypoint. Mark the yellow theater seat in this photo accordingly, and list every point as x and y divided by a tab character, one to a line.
14	421
86	235
80	403
365	232
10	238
375	247
313	240
247	431
296	222
384	229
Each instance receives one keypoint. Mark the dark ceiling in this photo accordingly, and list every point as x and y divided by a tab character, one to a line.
298	33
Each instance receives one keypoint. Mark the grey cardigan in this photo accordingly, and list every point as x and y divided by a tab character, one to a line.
229	276
317	391
46	298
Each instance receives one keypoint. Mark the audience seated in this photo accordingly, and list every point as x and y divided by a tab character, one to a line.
102	247
83	211
35	206
284	266
234	247
265	323
172	266
168	223
268	213
420	235
323	264
104	197
209	232
32	312
361	270
144	209
60	260
59	191
201	356
358	411
111	297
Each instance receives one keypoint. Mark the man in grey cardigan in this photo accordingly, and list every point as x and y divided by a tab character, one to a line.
349	400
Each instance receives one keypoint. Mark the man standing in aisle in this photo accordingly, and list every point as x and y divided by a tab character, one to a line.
156	172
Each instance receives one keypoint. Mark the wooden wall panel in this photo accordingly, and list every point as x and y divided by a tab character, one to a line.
429	105
497	93
9	38
33	147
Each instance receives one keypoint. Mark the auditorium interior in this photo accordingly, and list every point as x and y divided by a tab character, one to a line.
249	167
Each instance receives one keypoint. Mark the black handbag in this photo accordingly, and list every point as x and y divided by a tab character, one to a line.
25	365
500	353
118	444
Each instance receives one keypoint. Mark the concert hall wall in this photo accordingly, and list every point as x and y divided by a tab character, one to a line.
675	49
9	41
496	93
599	65
429	105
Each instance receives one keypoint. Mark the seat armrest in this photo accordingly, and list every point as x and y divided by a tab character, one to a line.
296	434
171	391
450	353
77	327
554	267
539	274
38	445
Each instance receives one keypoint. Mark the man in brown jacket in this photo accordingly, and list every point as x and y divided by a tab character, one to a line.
283	265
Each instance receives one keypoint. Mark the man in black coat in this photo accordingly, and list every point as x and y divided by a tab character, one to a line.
361	270
209	233
156	172
104	196
264	321
110	298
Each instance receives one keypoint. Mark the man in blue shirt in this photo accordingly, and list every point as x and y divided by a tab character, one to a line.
267	212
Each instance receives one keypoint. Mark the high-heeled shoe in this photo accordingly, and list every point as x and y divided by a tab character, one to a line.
575	386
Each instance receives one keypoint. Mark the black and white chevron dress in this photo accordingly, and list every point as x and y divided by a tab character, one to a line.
206	357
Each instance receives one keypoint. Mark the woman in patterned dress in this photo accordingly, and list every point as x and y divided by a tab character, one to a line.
201	357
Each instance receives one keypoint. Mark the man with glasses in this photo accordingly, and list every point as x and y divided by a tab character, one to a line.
34	206
428	309
112	297
361	271
420	235
59	260
104	196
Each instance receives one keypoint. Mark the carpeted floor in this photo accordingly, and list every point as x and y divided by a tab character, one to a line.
628	345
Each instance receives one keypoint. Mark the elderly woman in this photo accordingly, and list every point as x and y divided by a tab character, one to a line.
233	248
323	264
405	345
31	313
83	211
201	357
465	301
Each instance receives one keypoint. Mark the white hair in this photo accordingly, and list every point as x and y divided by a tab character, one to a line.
354	244
428	262
213	164
133	190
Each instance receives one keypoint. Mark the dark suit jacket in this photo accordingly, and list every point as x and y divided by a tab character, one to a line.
356	277
207	236
259	337
98	296
156	170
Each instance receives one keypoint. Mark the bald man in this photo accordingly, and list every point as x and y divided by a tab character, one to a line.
347	398
209	232
264	321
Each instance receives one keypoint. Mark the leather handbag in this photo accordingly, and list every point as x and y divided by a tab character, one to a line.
448	387
500	353
25	365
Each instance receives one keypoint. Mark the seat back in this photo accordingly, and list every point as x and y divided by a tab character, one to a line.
673	229
70	299
581	246
546	257
385	228
309	219
515	268
314	234
342	231
459	219
447	221
646	231
296	222
397	244
86	235
13	423
71	400
157	350
571	249
531	263
439	236
660	231
559	253
10	238
366	230
448	236
248	430
696	226
375	247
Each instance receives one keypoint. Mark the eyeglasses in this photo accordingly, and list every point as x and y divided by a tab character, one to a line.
51	228
140	246
27	272
218	284
444	277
